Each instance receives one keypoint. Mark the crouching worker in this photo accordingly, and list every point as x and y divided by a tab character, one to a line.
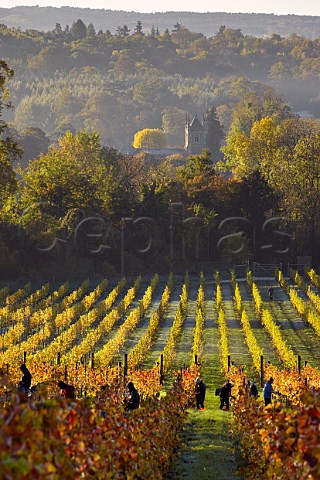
133	400
25	383
68	391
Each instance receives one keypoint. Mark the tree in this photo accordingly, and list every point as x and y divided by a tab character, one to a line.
198	166
173	120
152	91
150	138
33	141
253	115
221	30
66	105
176	27
58	30
279	71
258	202
71	175
49	59
138	28
78	30
294	172
184	37
9	149
254	106
286	155
214	132
91	31
110	156
123	31
61	130
122	62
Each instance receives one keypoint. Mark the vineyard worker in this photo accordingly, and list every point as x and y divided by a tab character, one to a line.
267	391
67	390
200	393
253	392
225	395
133	401
25	383
270	292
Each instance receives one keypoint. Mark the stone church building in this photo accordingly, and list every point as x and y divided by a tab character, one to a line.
198	135
195	136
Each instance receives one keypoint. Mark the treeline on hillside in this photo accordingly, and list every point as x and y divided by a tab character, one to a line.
85	207
118	84
258	24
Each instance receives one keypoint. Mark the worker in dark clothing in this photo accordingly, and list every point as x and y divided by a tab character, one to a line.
270	292
225	395
133	400
200	393
25	383
68	391
253	391
268	391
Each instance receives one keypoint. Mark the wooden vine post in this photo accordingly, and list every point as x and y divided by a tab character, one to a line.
261	371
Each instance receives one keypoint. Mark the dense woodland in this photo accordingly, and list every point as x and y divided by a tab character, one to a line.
120	83
80	95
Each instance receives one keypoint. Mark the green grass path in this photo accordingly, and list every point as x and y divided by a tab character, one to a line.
163	332
207	446
183	349
238	348
269	351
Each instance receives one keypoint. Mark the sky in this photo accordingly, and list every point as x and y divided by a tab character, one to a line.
278	7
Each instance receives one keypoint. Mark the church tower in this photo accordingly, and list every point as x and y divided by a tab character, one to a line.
195	138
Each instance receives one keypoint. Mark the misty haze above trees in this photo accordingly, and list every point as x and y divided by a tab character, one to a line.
258	24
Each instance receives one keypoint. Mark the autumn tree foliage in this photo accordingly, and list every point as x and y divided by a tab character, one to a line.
285	153
9	149
214	132
150	138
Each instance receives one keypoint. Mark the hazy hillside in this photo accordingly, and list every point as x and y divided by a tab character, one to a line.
45	18
120	83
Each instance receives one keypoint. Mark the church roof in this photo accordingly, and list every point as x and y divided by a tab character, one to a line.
195	123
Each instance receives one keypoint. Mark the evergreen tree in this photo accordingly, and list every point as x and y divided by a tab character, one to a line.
58	29
176	27
123	31
221	30
91	31
213	132
138	28
78	30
